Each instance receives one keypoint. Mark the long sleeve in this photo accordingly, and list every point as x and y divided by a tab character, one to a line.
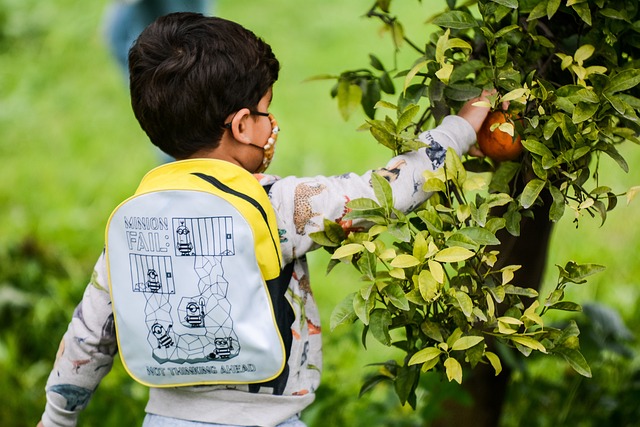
85	355
302	204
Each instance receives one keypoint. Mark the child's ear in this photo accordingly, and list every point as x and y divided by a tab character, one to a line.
240	126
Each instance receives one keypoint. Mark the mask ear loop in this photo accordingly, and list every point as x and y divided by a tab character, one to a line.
270	146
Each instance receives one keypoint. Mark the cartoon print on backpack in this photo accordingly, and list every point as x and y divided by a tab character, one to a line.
204	328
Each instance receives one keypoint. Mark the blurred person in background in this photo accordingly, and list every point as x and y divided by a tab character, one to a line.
125	20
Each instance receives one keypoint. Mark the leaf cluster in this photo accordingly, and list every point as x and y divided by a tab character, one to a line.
568	71
429	285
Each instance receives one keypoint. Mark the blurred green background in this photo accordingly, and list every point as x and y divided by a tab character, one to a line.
72	150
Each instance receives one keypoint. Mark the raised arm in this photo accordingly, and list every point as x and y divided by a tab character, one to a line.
302	204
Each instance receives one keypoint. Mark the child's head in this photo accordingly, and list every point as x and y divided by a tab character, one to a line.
189	73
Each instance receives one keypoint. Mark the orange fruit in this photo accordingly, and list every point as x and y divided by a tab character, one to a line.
494	141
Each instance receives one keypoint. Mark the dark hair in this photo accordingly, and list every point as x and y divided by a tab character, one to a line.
189	72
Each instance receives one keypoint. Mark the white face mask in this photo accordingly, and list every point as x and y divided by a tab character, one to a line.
270	146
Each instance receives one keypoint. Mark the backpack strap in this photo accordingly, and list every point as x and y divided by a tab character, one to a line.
222	187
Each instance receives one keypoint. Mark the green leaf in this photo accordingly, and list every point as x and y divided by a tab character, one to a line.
455	335
362	203
530	193
576	273
583	11
382	190
463	241
413	72
400	231
513	218
455	254
347	250
504	30
538	11
466	304
434	185
558	206
480	235
432	330
461	92
528	342
552	8
614	14
427	285
379	323
397	297
406	118
499	199
383	134
362	307
368	262
453	370
584	111
441	49
510	320
568	333
575	359
554	297
321	238
566	306
516	290
617	103
425	355
343	313
583	53
495	361
536	147
404	261
454	168
462	71
386	84
349	97
437	271
375	62
497	292
466	342
405	384
455	19
511	4
386	104
622	81
420	247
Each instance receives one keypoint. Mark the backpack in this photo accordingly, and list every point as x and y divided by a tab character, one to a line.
190	259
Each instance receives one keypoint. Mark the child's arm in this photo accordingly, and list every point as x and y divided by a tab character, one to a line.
85	355
302	204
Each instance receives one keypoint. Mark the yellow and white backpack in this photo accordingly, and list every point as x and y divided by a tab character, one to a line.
191	257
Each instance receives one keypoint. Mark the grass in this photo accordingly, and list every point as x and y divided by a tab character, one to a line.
72	150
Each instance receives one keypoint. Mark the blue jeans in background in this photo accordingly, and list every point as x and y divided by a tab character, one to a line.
125	20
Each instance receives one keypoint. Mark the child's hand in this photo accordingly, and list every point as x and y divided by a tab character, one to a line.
475	114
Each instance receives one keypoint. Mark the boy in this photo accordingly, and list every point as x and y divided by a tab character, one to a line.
201	89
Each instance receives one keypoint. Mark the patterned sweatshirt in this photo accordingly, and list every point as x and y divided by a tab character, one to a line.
88	347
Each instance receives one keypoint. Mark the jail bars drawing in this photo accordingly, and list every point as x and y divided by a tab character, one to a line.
208	236
152	274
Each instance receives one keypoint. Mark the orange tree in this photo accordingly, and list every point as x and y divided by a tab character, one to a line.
444	283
